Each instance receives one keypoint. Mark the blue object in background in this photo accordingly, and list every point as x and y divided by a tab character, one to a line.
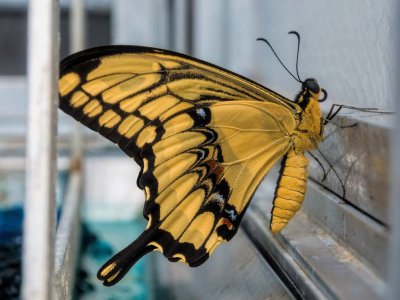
11	221
100	240
11	224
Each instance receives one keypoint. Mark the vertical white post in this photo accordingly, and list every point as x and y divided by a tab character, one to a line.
77	28
68	229
77	35
40	213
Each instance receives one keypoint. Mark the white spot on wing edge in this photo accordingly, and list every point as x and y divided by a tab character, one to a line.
200	112
231	214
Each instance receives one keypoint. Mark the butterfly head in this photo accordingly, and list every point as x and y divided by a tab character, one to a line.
311	86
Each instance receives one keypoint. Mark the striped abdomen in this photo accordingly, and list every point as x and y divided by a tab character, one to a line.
289	194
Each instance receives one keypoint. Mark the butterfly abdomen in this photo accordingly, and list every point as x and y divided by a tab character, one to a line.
289	194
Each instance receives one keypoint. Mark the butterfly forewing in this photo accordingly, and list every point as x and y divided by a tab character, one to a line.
204	138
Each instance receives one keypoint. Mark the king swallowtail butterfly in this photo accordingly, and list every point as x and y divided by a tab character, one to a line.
204	138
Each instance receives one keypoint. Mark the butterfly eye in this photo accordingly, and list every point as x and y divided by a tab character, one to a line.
312	85
324	97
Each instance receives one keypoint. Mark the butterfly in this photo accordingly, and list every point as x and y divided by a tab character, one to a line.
204	138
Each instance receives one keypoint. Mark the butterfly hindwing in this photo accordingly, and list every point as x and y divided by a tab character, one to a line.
203	136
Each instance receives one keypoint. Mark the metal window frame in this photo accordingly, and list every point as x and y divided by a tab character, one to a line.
393	266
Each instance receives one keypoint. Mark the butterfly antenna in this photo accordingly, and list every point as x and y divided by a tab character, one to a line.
276	55
298	51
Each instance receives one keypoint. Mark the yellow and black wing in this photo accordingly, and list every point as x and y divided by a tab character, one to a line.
203	136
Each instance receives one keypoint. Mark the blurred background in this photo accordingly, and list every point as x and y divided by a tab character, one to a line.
338	247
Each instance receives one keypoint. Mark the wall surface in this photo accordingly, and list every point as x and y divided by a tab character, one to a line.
346	45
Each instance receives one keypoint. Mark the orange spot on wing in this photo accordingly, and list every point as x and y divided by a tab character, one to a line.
215	168
225	221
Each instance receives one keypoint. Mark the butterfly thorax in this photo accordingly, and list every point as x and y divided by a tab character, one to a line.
310	129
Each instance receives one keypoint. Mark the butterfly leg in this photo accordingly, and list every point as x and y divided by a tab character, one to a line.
289	194
332	112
